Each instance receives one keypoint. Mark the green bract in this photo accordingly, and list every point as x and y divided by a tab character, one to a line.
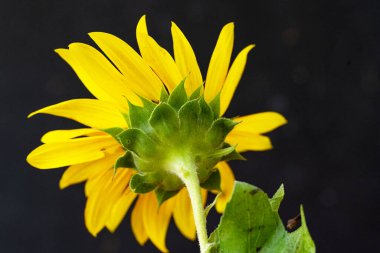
180	131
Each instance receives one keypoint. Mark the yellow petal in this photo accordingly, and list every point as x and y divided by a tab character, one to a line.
233	78
260	123
120	209
183	214
62	135
137	221
157	57
91	112
226	185
81	172
139	76
219	63
74	151
248	141
101	202
186	60
156	219
99	76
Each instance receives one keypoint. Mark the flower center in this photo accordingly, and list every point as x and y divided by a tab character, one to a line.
178	133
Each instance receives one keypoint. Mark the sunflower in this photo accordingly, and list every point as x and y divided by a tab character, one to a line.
119	74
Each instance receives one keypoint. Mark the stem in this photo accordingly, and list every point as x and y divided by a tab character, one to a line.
190	178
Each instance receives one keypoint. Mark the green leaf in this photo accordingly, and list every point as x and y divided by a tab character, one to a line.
215	106
178	96
218	131
213	182
164	95
163	195
275	201
137	141
164	121
250	224
298	241
142	184
188	117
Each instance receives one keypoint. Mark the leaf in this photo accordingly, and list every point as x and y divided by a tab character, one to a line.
164	121
249	224
142	184
248	220
298	241
213	182
275	201
178	96
163	195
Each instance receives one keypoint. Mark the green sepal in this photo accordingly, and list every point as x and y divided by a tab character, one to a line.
188	117
178	96
139	116
114	132
234	155
206	116
213	182
142	184
164	95
137	141
220	153
164	121
215	106
125	161
197	93
218	131
163	195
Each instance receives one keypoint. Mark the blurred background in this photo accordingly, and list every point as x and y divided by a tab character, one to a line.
316	62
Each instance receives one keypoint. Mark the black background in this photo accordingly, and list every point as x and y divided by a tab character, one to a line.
316	62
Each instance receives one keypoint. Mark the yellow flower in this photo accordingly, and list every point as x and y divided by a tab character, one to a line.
91	153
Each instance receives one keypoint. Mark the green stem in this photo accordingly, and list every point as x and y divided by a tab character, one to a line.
190	178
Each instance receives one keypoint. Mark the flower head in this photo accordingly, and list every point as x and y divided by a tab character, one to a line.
151	115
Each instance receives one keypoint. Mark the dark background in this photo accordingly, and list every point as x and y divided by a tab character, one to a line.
316	62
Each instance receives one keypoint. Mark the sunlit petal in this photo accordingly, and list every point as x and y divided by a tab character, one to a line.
90	112
233	78
220	62
186	60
